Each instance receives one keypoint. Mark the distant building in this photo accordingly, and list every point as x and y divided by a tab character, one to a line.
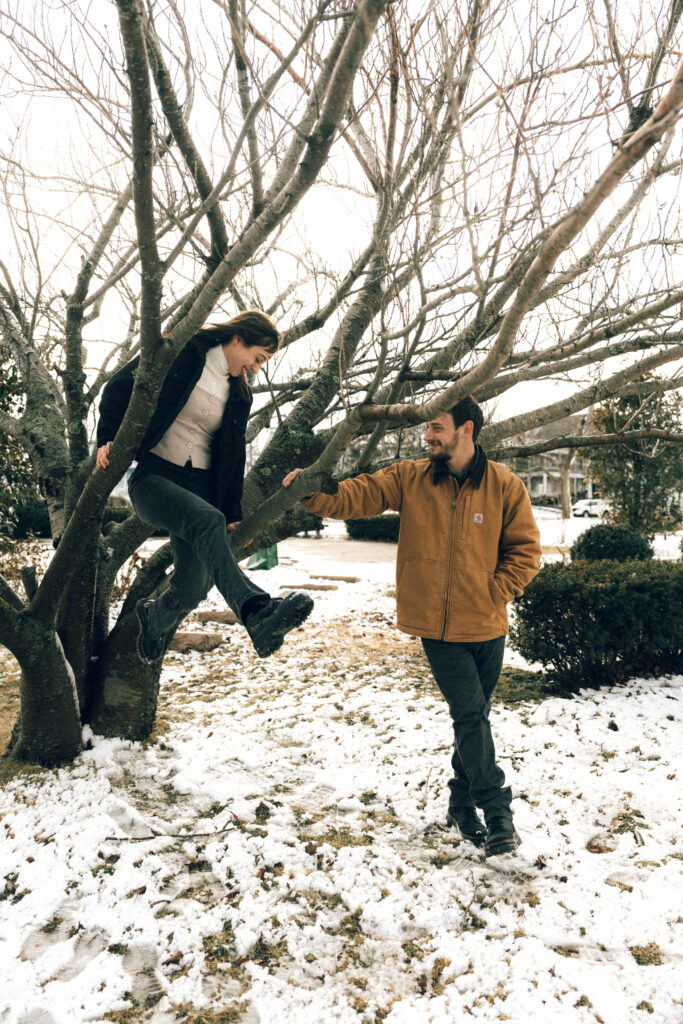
544	475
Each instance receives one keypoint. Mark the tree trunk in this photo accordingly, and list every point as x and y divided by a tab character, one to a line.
565	461
49	727
123	691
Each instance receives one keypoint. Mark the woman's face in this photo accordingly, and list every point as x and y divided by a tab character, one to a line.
241	358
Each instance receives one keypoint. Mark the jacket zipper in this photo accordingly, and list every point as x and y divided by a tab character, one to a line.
454	521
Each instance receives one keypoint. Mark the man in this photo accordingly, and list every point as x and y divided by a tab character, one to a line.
468	544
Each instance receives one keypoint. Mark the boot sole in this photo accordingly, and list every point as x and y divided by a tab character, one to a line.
507	845
296	615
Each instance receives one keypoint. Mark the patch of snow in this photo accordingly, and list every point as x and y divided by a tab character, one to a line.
282	845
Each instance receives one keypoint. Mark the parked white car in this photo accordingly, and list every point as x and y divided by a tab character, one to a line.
593	507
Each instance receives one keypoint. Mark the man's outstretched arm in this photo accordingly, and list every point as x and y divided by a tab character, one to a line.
369	494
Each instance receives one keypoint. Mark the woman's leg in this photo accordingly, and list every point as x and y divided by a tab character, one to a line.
190	583
201	530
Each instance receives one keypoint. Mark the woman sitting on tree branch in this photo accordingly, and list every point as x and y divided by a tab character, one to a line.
189	480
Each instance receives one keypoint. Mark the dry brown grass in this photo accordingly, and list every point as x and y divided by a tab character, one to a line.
9	709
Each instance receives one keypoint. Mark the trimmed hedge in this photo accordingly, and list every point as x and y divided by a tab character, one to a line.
598	623
374	528
614	542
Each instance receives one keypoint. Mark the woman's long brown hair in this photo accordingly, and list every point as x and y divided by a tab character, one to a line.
252	327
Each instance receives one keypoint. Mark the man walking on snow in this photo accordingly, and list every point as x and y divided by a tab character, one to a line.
468	544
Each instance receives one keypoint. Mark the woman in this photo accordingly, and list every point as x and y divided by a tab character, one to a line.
189	478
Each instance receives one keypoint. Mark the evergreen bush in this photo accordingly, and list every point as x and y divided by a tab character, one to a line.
613	542
31	516
374	528
309	521
597	623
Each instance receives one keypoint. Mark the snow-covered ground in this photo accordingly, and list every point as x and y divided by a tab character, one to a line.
275	853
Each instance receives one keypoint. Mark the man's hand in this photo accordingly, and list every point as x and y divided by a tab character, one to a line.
328	486
291	477
102	460
233	526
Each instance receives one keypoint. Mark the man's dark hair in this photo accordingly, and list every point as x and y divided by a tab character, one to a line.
467	409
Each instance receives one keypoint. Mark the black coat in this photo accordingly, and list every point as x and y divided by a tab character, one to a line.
228	448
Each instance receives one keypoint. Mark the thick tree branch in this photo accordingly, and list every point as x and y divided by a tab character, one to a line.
195	165
522	451
143	165
9	595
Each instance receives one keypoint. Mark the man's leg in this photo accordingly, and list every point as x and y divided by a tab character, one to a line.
466	674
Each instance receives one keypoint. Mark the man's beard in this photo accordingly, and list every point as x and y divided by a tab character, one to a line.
440	455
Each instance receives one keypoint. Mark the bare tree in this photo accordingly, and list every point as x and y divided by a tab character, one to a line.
499	183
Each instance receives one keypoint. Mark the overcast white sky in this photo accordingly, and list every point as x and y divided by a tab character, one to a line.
50	134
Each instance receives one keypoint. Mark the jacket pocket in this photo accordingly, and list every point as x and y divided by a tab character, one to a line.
496	593
475	606
420	594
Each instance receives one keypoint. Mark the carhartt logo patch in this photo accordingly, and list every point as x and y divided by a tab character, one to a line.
478	517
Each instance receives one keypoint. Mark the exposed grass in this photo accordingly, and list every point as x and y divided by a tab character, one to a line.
647	956
187	1014
519	686
131	1015
219	948
338	837
9	709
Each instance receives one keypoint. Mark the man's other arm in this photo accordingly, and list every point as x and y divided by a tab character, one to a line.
519	553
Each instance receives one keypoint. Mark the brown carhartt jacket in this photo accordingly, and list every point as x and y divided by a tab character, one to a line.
463	552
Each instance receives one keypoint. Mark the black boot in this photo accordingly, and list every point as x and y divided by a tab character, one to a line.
149	648
467	822
268	624
501	837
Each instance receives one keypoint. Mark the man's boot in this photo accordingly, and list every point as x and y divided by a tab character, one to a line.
468	823
501	837
270	621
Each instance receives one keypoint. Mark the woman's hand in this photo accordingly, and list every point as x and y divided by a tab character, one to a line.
102	460
291	477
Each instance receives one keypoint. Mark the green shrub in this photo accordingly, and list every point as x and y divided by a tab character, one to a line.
310	521
32	517
614	542
598	623
374	528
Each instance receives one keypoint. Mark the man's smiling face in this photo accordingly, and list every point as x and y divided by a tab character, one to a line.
445	440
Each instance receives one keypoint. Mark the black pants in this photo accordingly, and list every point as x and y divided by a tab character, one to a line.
466	674
177	499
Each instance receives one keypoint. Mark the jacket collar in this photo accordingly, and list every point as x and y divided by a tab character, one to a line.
475	473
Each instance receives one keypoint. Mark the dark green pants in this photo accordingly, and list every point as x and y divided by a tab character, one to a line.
179	499
466	674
